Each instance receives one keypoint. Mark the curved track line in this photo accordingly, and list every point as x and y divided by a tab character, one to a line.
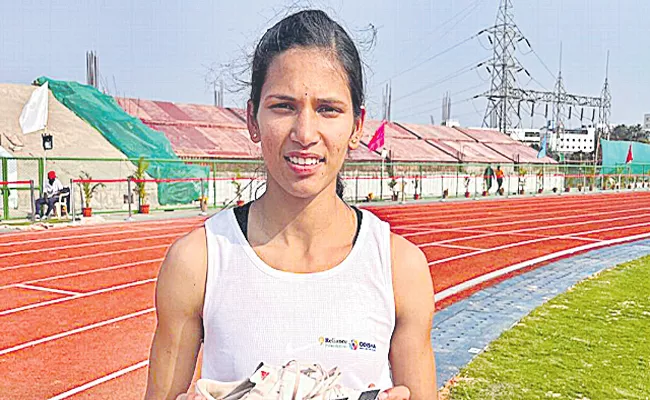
59	260
86	272
101	380
74	331
86	294
89	235
543	227
101	226
495	274
76	246
516	222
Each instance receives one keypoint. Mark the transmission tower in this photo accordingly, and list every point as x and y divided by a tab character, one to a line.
503	66
606	96
505	96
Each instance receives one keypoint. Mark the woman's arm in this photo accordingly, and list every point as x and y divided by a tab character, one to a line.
411	353
179	304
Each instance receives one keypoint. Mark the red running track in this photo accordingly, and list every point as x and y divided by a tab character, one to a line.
76	304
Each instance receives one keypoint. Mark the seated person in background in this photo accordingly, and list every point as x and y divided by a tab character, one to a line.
51	191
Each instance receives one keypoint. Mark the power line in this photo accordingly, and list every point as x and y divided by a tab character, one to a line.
540	60
473	7
428	59
438	108
458	73
441	98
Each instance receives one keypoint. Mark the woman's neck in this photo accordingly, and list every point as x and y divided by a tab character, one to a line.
279	215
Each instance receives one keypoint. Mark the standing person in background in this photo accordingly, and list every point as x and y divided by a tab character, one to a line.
499	174
285	276
488	175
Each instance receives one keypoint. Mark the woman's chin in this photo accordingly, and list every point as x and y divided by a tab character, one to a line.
303	191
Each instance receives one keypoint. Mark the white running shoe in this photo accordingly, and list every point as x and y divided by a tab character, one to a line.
293	381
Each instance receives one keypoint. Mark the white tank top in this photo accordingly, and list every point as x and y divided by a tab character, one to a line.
254	313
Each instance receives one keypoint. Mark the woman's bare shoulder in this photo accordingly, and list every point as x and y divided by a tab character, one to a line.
183	271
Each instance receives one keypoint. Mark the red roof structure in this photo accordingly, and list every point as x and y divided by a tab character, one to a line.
205	131
404	146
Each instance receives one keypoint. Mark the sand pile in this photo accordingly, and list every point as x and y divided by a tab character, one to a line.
72	138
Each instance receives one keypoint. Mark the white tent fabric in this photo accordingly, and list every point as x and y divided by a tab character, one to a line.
34	115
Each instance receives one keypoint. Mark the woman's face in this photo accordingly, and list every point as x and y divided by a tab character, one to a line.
305	121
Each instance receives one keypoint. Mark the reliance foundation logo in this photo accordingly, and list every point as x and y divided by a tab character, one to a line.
352	344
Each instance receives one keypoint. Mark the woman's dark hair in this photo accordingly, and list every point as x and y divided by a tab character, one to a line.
310	28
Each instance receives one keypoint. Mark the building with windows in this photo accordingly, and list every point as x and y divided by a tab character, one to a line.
646	122
568	141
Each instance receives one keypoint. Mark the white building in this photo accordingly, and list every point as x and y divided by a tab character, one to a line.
569	141
646	122
528	136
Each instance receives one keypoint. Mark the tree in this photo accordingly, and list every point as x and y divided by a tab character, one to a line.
633	133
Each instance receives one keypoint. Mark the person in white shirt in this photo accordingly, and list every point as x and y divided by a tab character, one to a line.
51	190
285	278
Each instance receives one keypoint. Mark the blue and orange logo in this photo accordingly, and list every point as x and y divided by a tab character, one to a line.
354	344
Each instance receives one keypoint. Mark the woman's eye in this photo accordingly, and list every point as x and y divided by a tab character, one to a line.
282	106
328	111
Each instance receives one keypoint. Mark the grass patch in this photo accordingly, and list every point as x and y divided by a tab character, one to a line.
592	342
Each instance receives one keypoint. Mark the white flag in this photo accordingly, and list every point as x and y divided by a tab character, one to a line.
34	115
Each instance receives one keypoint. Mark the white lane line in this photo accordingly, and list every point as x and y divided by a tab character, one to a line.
512	220
577	238
518	209
44	289
101	380
495	274
483	251
90	235
66	259
537	228
567	236
91	244
86	272
61	300
74	331
451	246
108	226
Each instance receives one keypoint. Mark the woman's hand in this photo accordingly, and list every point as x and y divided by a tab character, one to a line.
396	393
190	396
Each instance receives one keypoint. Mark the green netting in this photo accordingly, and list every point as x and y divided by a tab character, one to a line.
615	154
133	138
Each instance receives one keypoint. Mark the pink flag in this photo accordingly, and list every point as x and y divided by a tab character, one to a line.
629	157
377	140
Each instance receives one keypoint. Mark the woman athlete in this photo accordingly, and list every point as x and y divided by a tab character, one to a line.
298	273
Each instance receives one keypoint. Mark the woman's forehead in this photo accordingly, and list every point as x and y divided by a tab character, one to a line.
307	71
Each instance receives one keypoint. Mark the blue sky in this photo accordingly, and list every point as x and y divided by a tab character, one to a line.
163	49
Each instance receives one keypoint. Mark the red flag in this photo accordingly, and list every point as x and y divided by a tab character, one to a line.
629	157
377	140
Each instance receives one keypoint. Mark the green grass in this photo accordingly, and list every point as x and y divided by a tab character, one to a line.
592	342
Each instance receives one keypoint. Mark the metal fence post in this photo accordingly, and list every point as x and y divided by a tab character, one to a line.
214	184
5	189
33	199
128	199
202	198
356	187
72	202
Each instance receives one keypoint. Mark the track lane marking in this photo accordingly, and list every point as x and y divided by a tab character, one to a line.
44	289
75	331
86	294
101	380
458	288
107	253
86	272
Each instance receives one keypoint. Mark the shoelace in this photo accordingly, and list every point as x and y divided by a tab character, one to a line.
326	382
